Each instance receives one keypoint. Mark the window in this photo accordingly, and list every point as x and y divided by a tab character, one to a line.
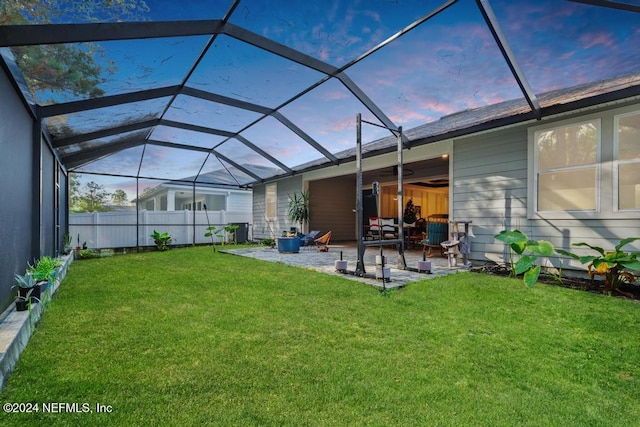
271	198
566	167
627	161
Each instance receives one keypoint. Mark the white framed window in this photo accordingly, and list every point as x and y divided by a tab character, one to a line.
271	201
566	168
627	161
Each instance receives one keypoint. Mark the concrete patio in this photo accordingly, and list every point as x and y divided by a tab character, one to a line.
324	262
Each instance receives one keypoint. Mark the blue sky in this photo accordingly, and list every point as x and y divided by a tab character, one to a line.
448	64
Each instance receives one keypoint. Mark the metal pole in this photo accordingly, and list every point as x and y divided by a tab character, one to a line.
137	214
359	226
401	261
193	209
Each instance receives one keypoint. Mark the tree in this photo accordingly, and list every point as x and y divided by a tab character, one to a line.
59	68
74	190
94	198
119	198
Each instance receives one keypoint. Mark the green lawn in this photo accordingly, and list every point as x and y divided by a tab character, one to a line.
191	337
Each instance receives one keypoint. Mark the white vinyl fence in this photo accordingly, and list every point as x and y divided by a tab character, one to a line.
120	230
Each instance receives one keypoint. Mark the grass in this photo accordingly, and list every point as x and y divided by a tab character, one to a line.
192	337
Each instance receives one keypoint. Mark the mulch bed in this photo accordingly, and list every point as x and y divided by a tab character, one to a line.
579	283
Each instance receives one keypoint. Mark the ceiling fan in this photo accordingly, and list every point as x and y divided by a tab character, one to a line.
433	183
394	171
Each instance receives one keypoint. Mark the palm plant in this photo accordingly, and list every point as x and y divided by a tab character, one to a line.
299	208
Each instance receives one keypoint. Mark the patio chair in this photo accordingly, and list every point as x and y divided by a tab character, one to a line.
307	240
388	228
322	242
437	232
373	232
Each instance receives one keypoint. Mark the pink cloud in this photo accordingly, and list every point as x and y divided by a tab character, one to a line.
595	39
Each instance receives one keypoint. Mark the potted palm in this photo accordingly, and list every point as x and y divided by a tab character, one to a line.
298	212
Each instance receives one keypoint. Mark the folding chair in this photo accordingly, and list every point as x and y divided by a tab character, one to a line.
322	242
307	240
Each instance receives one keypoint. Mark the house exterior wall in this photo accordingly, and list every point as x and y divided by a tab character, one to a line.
48	222
491	186
16	192
239	201
269	228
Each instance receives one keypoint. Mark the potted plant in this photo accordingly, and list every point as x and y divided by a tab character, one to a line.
44	270
299	208
298	212
28	291
67	243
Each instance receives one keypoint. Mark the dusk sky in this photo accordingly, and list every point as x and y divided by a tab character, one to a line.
447	64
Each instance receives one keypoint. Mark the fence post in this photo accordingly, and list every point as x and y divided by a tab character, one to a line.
96	227
190	227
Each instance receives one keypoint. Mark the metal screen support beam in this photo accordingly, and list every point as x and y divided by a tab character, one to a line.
302	134
76	139
263	153
74	160
105	101
402	264
36	34
509	57
371	106
611	4
360	271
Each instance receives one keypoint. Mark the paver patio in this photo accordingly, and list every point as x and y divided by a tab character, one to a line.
324	262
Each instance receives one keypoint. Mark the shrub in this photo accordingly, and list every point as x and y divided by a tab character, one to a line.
529	250
613	265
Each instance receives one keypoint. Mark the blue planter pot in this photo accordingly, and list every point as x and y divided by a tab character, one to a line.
288	244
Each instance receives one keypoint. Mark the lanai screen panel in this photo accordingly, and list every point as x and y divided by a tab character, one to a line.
123	163
210	114
335	32
280	142
185	137
115	143
562	44
462	71
244	72
269	89
92	120
217	171
243	155
326	114
170	163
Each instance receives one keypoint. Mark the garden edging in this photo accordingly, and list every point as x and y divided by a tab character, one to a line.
16	327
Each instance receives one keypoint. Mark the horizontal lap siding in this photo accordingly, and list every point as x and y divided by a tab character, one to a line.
489	187
260	229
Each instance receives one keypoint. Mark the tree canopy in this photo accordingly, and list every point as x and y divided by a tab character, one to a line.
80	69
